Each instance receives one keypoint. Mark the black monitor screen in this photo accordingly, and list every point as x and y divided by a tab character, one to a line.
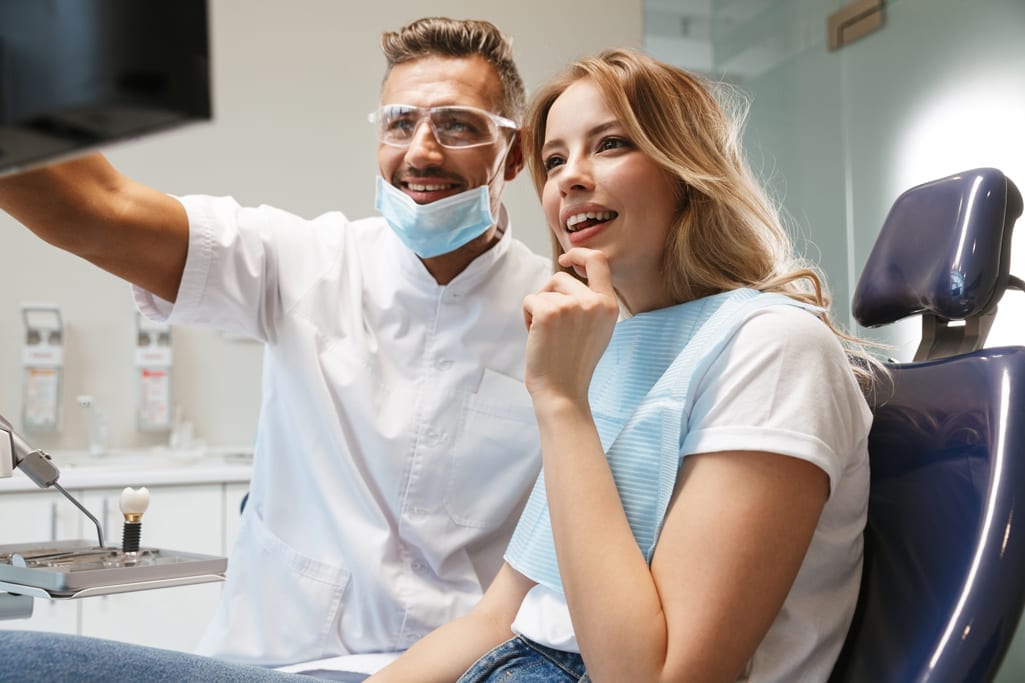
75	74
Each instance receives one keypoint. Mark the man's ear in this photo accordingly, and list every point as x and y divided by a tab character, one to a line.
514	159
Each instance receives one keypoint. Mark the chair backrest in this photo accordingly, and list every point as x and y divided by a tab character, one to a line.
944	252
943	585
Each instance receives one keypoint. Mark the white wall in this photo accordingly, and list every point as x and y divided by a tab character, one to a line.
293	82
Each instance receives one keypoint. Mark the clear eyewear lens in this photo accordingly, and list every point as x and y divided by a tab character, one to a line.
454	127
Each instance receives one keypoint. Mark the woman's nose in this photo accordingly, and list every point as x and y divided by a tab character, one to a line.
576	174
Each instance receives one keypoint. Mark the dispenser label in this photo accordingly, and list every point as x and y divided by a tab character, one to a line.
154	399
42	396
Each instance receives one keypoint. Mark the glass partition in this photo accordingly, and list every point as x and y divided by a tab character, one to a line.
839	134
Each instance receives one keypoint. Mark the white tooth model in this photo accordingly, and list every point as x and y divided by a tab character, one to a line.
133	503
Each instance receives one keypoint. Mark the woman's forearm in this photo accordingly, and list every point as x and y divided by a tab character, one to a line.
444	654
447	652
615	608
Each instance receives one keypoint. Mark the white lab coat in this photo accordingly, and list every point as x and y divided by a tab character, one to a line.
396	440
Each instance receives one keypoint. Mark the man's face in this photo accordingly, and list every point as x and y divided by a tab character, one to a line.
425	170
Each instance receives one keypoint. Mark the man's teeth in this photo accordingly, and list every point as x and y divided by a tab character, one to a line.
426	188
600	216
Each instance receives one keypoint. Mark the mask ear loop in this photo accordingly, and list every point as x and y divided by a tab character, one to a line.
501	167
504	159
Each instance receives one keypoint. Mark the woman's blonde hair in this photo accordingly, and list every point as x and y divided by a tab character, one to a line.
728	233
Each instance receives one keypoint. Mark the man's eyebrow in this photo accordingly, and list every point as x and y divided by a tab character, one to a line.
595	131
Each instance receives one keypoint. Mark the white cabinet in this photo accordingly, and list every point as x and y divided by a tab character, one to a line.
233	495
185	518
40	516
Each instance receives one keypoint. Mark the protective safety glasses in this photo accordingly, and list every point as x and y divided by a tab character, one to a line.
453	127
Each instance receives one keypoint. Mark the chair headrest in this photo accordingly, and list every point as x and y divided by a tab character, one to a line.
944	250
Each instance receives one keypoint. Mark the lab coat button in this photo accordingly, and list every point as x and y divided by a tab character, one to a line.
444	364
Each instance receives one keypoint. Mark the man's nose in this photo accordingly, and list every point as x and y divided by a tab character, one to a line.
424	146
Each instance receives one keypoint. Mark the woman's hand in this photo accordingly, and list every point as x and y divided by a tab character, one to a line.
445	653
569	324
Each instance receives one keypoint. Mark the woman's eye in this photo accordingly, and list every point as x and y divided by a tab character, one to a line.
612	143
552	161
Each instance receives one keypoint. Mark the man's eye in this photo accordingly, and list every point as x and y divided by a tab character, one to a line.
454	126
463	125
401	124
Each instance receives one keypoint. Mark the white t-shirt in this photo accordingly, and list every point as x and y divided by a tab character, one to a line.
783	385
396	441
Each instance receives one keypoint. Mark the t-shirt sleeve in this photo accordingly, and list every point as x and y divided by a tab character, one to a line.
782	384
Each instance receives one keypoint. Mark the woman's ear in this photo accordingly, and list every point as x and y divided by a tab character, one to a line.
514	159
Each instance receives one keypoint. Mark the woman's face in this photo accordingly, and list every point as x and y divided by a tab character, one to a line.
602	192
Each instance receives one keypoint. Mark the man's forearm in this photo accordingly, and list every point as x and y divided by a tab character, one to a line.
85	206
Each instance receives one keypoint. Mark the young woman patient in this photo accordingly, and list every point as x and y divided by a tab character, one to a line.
700	512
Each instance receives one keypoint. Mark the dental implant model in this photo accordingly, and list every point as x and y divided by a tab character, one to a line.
133	504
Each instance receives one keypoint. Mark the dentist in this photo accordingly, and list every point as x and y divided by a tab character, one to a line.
396	441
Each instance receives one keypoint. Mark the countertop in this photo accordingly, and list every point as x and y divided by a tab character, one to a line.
144	467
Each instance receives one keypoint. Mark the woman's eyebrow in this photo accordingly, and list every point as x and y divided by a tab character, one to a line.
594	131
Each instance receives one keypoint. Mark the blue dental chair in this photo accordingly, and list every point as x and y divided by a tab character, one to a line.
944	578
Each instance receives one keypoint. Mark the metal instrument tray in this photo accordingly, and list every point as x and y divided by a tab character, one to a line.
68	569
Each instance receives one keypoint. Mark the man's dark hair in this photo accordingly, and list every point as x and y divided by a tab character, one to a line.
444	37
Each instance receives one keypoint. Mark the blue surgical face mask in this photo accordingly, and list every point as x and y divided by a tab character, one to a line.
439	227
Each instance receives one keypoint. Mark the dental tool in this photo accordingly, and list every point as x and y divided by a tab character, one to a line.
65	569
37	466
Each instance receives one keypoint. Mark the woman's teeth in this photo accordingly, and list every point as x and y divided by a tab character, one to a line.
574	221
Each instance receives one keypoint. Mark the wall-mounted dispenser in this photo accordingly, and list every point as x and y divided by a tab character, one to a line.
43	359
153	369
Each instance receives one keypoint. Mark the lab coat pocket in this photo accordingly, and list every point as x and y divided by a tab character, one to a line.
285	605
497	456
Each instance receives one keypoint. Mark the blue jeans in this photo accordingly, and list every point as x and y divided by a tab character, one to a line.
59	658
519	660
